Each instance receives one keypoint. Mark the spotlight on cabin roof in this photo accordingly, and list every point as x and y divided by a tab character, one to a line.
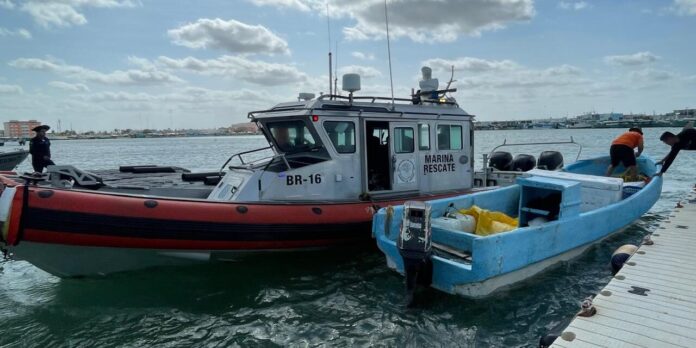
305	96
351	82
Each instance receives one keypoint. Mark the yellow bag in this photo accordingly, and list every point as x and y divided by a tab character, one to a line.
490	222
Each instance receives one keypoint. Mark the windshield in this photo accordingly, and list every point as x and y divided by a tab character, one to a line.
295	141
291	136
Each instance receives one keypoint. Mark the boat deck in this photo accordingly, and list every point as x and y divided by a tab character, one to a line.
651	302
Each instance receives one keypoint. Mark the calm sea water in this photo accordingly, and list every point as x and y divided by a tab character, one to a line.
346	298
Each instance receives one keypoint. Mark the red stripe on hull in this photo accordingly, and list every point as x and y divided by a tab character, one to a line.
52	237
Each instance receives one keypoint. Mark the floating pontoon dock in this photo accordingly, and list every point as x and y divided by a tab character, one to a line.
651	302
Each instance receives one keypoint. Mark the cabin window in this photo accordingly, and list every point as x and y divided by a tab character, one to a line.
423	137
449	137
403	140
297	143
342	135
291	136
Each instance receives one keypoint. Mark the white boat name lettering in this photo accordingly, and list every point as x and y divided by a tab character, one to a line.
439	164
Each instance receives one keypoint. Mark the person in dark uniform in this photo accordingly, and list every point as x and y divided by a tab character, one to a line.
621	151
685	140
40	149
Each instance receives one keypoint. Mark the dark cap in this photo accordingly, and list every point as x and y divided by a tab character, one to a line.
636	129
40	128
666	135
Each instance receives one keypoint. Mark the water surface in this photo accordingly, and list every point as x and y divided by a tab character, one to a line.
341	298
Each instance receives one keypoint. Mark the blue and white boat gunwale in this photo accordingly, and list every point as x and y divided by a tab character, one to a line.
501	260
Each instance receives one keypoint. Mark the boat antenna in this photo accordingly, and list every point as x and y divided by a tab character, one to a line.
328	27
335	87
450	80
391	80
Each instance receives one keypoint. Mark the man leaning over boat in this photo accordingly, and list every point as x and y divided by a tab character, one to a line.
685	140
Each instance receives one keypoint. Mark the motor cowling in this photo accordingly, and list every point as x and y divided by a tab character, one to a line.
414	244
500	160
550	160
523	163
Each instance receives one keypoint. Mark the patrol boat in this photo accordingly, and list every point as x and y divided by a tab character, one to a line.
330	163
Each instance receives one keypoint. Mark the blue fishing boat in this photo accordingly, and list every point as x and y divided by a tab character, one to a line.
559	214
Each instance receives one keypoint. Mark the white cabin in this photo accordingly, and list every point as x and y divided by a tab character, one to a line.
337	148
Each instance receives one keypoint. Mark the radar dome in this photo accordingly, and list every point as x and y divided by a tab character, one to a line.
351	82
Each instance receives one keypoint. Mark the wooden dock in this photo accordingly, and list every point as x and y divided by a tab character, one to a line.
651	302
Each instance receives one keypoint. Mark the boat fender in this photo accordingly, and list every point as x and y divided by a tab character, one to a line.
129	169
212	180
620	256
547	341
198	176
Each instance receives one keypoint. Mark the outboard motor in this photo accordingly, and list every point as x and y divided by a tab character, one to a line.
414	243
523	163
550	160
500	160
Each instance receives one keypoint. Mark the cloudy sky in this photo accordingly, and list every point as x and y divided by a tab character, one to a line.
104	64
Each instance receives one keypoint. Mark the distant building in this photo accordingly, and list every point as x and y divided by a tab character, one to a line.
613	116
20	129
685	113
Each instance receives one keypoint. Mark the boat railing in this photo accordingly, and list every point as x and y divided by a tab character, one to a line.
373	99
415	99
505	143
244	164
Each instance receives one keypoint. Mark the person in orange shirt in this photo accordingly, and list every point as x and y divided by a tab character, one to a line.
621	151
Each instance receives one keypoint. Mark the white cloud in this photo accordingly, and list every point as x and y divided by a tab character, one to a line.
651	75
11	89
419	20
436	20
117	77
470	64
6	4
254	71
232	36
573	5
65	13
366	72
295	4
493	75
685	7
195	95
363	56
72	87
22	33
639	58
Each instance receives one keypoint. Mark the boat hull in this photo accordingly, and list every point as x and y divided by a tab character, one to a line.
81	233
10	160
501	260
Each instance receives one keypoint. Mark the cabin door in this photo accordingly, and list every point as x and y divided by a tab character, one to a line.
403	156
